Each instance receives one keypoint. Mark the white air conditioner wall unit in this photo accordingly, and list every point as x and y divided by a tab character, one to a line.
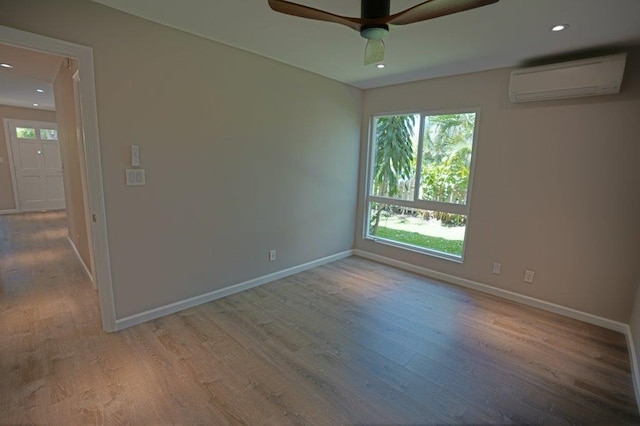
586	77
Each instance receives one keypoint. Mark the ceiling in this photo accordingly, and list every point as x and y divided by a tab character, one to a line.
504	34
32	71
508	33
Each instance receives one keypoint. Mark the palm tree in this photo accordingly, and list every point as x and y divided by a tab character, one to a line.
446	160
394	158
447	157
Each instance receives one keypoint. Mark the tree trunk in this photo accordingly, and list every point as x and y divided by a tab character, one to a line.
374	231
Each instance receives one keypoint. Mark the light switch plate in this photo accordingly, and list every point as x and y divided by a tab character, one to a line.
135	177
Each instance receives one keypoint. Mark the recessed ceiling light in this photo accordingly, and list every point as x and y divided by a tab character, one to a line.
559	27
380	66
36	105
39	90
4	65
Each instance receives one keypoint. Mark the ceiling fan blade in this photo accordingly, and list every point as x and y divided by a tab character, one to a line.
374	51
435	8
301	11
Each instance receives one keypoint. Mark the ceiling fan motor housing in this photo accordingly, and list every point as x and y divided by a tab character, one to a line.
375	9
371	9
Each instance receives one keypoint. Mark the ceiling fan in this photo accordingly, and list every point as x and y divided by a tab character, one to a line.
375	18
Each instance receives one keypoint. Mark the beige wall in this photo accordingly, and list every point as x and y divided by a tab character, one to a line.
71	158
7	199
242	154
555	190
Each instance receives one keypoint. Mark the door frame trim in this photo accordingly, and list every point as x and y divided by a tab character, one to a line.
83	173
88	104
14	183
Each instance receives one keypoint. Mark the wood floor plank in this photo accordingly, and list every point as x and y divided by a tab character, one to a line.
391	372
352	342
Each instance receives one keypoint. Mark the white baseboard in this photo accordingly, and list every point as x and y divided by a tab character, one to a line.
10	211
84	266
223	292
495	291
635	370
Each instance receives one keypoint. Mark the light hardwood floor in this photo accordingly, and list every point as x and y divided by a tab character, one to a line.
352	342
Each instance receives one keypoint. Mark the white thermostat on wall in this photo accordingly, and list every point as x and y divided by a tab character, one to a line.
135	155
135	177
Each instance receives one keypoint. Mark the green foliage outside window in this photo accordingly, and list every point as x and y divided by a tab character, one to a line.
25	133
444	167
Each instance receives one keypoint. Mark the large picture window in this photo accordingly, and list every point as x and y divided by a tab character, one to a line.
420	172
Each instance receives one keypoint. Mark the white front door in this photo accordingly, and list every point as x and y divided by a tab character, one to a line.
37	165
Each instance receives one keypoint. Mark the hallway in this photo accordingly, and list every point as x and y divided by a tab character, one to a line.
46	302
34	255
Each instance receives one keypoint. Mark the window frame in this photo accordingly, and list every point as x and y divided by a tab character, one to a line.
417	203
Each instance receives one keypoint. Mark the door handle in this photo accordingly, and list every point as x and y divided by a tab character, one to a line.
39	152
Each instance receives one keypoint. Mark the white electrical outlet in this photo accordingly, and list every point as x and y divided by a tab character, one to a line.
272	255
528	276
497	267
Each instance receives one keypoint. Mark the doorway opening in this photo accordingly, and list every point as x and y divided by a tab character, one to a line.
84	107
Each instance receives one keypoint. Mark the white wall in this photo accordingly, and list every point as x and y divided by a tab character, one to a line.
555	190
242	154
